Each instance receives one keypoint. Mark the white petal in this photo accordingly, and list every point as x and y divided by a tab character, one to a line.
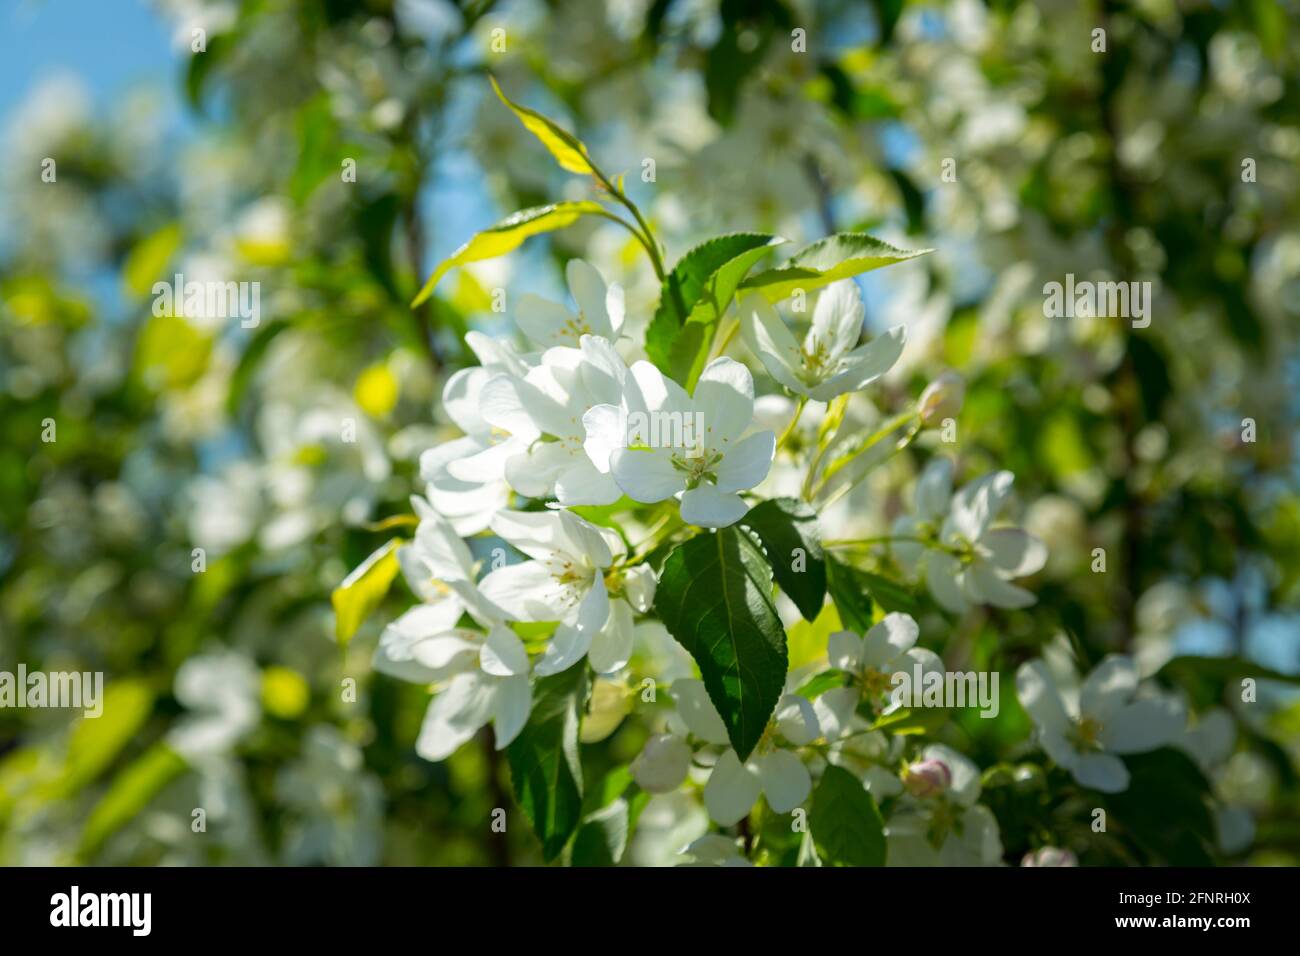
942	573
546	323
614	306
864	365
1102	772
532	472
650	389
784	780
835	709
934	489
662	765
535	533
1109	687
611	649
725	396
747	462
456	714
588	288
1040	698
487	465
1014	552
503	654
697	710
888	639
731	791
797	720
514	701
769	338
981	579
503	405
525	592
1144	725
426	620
423	659
461	399
976	504
567	646
844	650
582	483
837	319
605	429
639	586
646	475
593	610
709	507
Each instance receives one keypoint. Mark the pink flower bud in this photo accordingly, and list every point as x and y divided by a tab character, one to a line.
926	778
1049	856
942	398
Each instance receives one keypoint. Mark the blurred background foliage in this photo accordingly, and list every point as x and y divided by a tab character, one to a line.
226	690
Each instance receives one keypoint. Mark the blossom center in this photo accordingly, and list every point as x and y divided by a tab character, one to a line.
1087	733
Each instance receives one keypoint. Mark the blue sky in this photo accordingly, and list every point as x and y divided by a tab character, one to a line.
111	44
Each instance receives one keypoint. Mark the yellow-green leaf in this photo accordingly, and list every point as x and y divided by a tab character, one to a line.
507	235
828	260
567	149
96	741
148	259
130	792
363	589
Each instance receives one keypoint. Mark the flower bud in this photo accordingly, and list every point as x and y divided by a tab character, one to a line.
662	764
926	778
1049	856
639	587
942	398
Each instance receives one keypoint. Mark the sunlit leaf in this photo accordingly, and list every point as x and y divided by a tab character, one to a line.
828	260
567	149
363	589
507	235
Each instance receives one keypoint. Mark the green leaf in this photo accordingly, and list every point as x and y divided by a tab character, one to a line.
904	721
788	529
851	599
249	360
828	260
845	822
889	595
853	591
150	257
1165	807
131	791
363	589
694	297
714	597
602	838
507	235
95	742
544	766
567	149
819	684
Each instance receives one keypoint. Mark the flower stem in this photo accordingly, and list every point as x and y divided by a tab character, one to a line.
794	420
